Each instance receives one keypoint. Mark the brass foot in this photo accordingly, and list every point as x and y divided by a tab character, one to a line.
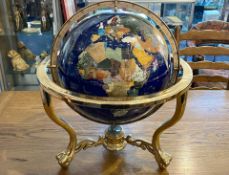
163	159
64	159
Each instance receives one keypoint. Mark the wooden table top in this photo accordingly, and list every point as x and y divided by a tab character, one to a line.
199	143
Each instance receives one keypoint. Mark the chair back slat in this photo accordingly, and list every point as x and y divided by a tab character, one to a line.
207	78
209	65
209	35
204	50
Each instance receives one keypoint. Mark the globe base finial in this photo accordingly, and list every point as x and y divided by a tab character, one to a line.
114	139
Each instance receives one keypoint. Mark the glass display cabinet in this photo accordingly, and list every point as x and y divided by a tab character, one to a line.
7	40
26	34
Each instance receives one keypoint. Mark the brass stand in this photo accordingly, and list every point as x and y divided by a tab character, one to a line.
114	138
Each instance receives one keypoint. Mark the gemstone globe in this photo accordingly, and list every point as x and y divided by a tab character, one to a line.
115	54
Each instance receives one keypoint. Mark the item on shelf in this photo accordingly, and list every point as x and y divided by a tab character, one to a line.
173	21
1	28
45	19
36	23
25	52
17	61
43	55
18	17
31	30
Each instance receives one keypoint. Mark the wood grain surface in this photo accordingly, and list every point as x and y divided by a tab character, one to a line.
199	143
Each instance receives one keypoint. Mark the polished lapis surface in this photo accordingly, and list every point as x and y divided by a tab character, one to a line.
114	54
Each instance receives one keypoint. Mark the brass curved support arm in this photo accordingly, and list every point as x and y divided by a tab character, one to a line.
163	159
85	144
141	144
64	158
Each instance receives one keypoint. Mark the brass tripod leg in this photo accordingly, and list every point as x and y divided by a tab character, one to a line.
163	159
64	158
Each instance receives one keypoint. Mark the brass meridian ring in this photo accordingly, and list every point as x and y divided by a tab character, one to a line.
157	98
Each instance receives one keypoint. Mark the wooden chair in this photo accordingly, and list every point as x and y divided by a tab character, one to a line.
206	37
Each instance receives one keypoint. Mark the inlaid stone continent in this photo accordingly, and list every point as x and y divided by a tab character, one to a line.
115	54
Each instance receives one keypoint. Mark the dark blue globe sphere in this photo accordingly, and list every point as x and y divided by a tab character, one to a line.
115	54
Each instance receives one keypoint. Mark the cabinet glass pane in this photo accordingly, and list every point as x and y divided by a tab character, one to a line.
181	11
26	39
